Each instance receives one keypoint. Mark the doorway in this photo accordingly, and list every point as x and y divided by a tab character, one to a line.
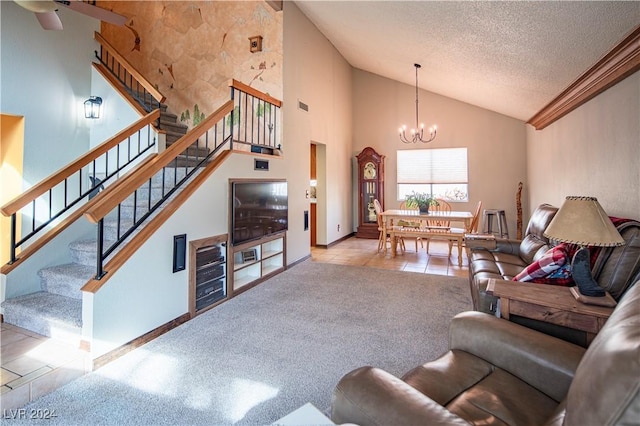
313	186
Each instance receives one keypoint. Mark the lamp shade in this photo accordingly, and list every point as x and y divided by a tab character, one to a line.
583	221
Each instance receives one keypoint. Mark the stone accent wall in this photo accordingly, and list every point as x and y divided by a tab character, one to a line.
190	50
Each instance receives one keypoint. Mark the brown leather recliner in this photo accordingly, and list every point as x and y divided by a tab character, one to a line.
498	373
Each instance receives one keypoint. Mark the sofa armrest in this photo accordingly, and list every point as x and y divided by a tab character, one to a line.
371	396
544	362
504	245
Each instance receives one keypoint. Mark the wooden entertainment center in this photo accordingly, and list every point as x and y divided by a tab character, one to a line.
250	263
254	249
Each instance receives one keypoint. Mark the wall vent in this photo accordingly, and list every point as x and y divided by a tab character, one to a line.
303	106
260	165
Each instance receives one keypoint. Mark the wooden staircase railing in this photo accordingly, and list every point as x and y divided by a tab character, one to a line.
213	133
250	118
255	118
135	83
51	198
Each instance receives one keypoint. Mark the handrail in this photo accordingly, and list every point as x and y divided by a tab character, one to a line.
120	258
33	248
45	185
255	118
139	187
121	89
127	67
146	172
255	93
54	196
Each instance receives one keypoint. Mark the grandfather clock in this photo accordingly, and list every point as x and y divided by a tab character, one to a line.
370	187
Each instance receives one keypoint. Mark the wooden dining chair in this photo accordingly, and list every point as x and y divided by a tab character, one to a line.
473	226
410	224
438	226
382	239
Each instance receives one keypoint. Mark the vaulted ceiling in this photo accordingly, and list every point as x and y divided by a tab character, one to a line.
512	57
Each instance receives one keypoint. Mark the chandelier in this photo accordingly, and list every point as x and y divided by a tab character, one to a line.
417	135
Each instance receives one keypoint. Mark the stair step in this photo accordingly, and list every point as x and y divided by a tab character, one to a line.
173	126
47	314
170	173
84	252
66	280
111	227
184	161
168	117
172	137
195	150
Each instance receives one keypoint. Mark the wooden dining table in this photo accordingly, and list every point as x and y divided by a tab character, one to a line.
390	218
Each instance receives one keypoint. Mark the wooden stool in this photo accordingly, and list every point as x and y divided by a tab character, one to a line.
501	222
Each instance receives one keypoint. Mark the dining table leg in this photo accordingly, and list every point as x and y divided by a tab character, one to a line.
393	244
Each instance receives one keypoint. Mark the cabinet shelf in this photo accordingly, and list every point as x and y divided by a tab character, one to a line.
255	261
208	273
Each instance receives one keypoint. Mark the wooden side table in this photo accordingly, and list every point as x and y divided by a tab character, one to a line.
548	303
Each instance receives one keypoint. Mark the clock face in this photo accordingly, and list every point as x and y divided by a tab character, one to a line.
369	170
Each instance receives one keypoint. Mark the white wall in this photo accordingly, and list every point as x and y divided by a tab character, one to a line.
496	143
116	112
592	151
316	74
46	77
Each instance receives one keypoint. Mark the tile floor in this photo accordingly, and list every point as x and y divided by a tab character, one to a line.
363	252
33	365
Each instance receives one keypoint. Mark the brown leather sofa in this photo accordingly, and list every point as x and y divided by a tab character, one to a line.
497	372
615	269
508	258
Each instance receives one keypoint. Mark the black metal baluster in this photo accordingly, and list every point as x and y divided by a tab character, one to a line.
99	271
13	239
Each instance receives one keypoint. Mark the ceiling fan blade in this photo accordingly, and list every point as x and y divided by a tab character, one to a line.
49	20
94	11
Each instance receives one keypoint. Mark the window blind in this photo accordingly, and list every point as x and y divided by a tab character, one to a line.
441	165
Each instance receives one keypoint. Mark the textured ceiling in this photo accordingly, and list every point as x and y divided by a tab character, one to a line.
508	57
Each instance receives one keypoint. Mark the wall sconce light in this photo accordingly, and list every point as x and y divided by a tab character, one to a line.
92	107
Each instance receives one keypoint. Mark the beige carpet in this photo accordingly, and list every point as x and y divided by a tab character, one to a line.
259	356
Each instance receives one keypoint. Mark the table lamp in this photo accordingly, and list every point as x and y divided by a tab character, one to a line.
583	221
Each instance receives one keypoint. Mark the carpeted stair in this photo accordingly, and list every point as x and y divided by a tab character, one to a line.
174	131
56	310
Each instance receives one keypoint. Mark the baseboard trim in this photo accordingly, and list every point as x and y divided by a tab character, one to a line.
103	360
326	246
302	259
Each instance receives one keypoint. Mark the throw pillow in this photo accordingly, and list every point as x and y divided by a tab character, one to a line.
553	259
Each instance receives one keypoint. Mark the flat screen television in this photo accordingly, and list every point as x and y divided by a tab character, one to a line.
258	208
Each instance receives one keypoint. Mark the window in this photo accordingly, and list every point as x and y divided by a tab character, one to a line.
440	172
